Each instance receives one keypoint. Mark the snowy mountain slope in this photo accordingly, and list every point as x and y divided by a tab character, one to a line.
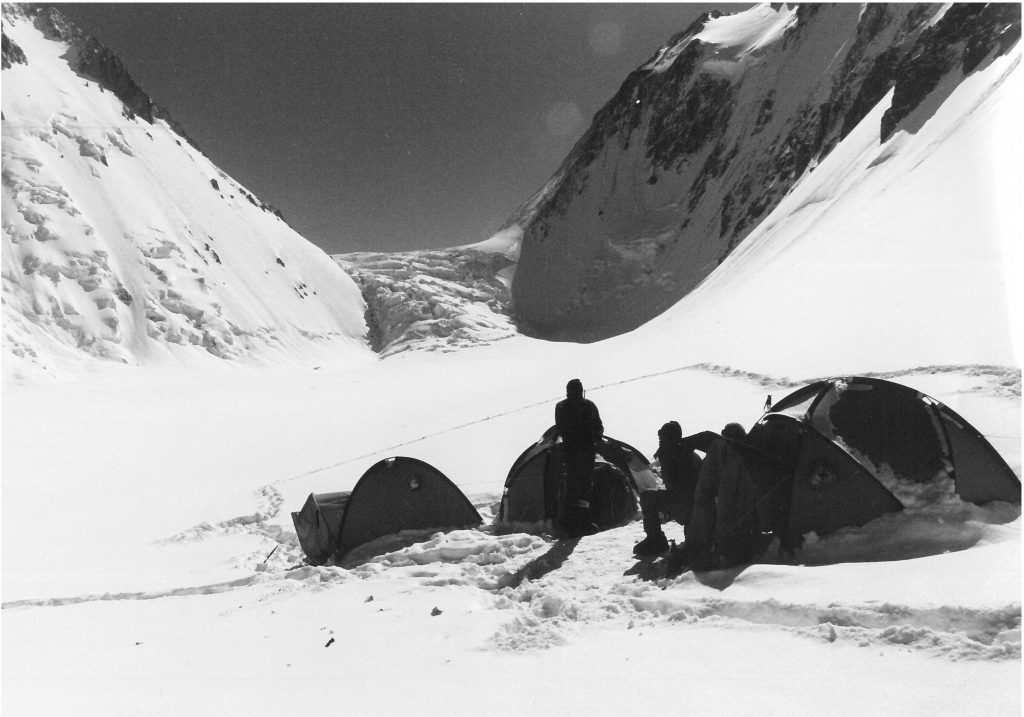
890	255
702	142
123	241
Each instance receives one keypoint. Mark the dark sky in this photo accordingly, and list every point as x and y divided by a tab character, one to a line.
385	126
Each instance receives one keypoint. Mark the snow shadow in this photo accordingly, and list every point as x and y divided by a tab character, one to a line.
552	559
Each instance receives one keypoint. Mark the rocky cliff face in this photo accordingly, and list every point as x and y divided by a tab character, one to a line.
704	140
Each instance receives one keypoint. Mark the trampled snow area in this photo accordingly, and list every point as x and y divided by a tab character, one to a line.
150	567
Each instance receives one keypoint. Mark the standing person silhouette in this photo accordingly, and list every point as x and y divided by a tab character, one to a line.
578	423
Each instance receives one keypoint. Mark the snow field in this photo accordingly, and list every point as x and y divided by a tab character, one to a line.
150	566
177	486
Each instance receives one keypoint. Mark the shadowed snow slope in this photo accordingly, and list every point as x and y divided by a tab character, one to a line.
705	140
122	241
889	255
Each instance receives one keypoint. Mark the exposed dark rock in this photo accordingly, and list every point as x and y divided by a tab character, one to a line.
12	54
97	62
214	184
967	35
52	23
123	295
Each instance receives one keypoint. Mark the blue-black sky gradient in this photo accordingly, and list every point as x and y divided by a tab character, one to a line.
385	127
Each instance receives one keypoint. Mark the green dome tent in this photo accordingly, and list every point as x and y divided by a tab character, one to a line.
919	438
532	487
395	494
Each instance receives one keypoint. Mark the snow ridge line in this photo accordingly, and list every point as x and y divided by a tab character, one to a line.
210	589
953	631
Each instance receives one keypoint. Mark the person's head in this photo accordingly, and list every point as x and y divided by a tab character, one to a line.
671	431
734	431
574	389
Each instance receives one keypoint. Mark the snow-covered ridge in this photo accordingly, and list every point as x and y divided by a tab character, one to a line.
742	34
122	241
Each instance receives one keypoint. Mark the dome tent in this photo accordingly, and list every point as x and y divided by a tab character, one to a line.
394	494
531	492
919	438
808	483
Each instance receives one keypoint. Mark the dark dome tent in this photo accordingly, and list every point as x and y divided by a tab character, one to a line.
395	494
919	438
812	484
533	483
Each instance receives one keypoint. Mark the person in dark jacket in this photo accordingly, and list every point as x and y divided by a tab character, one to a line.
578	423
680	467
725	526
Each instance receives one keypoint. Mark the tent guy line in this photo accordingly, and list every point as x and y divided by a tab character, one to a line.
765	382
709	368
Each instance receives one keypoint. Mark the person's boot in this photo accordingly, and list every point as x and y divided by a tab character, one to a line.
577	522
654	544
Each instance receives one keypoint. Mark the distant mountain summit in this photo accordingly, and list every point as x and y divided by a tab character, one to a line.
122	241
705	139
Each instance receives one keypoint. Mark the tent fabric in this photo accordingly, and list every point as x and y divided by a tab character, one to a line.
919	438
804	481
318	525
824	488
981	473
394	494
532	486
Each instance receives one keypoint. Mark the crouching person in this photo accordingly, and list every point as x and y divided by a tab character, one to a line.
680	467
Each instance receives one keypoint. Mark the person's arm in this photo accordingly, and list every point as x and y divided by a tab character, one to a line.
700	441
599	427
